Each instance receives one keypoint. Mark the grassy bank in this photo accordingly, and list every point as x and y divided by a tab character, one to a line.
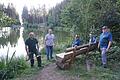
96	72
17	68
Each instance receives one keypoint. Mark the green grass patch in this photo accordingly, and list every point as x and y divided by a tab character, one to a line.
79	70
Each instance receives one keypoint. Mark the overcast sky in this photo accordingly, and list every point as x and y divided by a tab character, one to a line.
30	3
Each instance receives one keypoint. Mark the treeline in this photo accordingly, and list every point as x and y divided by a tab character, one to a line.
87	16
80	16
34	16
40	16
54	14
8	15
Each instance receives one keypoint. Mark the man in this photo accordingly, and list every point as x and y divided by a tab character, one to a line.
31	46
105	43
92	38
49	42
76	41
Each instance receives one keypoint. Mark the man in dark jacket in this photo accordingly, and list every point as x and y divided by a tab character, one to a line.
32	47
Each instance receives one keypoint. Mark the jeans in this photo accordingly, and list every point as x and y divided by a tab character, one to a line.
49	52
104	57
38	56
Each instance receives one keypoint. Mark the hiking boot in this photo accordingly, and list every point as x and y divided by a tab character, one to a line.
39	65
104	66
32	66
52	57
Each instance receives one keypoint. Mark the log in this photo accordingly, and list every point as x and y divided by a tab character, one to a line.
81	46
77	48
65	65
64	56
64	60
67	55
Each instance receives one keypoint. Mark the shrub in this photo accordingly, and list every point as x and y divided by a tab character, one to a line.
10	67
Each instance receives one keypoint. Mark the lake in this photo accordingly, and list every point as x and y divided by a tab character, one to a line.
13	40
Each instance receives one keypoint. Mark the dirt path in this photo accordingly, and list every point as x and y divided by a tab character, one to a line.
50	72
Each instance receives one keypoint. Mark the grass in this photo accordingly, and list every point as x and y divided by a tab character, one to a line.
11	67
17	67
79	70
30	73
6	66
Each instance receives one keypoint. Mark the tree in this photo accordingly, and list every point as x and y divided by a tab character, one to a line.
83	16
54	14
34	17
25	14
8	16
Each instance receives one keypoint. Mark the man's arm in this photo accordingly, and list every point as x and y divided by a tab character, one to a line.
38	52
26	48
45	39
98	45
54	40
109	44
37	46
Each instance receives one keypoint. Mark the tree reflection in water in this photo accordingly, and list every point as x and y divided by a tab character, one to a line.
9	37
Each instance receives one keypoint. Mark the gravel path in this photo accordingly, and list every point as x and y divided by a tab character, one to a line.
50	72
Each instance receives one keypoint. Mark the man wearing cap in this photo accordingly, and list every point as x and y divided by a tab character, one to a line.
31	46
105	43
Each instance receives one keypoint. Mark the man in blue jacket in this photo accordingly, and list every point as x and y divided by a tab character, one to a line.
92	39
76	41
105	43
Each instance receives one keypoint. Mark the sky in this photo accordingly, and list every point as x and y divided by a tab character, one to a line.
19	4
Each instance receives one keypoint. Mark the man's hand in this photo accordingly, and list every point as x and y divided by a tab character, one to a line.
98	47
53	45
27	52
75	46
107	49
27	57
109	44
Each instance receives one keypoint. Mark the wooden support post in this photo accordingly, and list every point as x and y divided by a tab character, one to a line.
73	55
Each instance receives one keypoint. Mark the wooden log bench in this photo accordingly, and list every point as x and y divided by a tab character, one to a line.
65	59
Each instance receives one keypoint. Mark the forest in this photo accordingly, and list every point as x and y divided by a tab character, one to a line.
8	15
